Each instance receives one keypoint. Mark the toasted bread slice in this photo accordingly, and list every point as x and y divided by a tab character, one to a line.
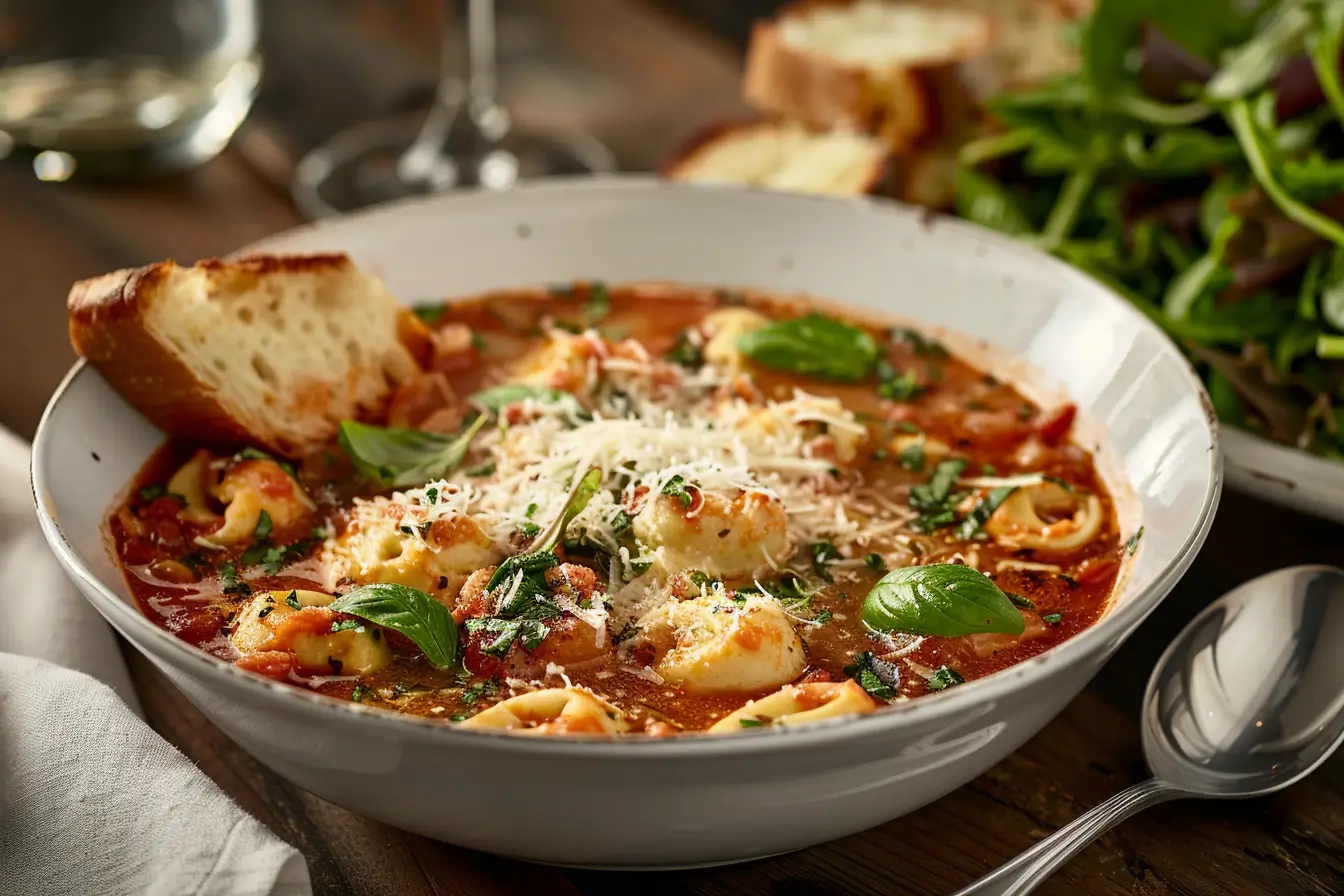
1029	46
783	156
871	65
269	351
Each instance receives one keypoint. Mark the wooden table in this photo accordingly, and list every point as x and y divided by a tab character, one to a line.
642	79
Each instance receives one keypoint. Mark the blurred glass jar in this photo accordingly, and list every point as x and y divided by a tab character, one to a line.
124	87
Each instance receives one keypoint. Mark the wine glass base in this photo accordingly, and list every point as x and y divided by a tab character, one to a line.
369	163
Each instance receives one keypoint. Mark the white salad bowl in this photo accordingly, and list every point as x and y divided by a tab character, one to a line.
700	800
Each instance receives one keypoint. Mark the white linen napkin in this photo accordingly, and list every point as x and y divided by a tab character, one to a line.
91	799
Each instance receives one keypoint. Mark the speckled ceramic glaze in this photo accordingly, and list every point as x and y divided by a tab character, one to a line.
704	799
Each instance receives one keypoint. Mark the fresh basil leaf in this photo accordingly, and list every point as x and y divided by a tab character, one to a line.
981	512
407	610
264	527
814	345
676	487
945	600
497	398
395	458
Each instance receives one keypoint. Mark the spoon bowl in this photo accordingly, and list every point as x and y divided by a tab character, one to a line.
1247	700
1250	696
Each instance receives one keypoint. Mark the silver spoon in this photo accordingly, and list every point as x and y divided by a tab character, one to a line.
1247	700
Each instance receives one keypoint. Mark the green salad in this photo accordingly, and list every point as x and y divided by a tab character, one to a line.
1195	164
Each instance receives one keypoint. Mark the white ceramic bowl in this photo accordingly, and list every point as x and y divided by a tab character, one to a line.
710	799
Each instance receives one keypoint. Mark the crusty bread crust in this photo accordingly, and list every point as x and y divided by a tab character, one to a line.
899	103
109	326
697	151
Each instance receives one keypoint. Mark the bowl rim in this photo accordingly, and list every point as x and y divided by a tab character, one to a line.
1119	623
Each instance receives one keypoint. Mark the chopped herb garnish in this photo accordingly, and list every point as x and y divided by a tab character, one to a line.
159	490
292	600
264	612
933	495
527	530
598	305
429	313
228	575
676	487
907	427
431	496
988	470
1025	412
878	677
621	523
1133	544
824	552
876	562
531	509
912	457
879	454
701	580
1053	618
1020	601
923	346
347	625
459	717
1067	486
899	387
981	512
626	633
945	678
751	723
1070	581
360	693
686	352
823	617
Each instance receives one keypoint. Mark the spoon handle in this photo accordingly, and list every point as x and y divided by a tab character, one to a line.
1024	873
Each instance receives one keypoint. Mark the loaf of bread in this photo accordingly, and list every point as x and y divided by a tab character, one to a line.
783	156
876	66
270	350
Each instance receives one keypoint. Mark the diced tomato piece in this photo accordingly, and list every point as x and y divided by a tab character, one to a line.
1095	569
308	621
1055	427
165	508
477	661
196	624
276	664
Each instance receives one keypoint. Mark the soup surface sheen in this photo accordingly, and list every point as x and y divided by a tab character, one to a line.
745	471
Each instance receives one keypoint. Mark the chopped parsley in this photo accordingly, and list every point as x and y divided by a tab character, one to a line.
676	487
360	693
598	305
347	625
751	723
897	387
1070	581
487	688
159	490
1133	544
912	457
228	575
429	313
527	530
946	677
923	345
685	352
292	600
1053	618
531	509
824	552
432	495
1020	601
823	617
876	562
621	523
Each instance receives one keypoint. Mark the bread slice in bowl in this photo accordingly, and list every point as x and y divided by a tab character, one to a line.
269	350
872	65
783	156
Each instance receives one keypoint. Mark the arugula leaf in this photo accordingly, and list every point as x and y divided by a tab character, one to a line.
409	611
983	200
814	345
395	458
941	599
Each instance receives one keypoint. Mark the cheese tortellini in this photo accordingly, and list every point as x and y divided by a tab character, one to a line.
249	487
799	705
271	621
724	328
1074	519
725	538
569	710
712	644
380	544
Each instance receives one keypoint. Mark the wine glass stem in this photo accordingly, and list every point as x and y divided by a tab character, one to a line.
481	84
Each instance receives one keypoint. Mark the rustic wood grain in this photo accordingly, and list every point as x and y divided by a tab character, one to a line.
642	82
